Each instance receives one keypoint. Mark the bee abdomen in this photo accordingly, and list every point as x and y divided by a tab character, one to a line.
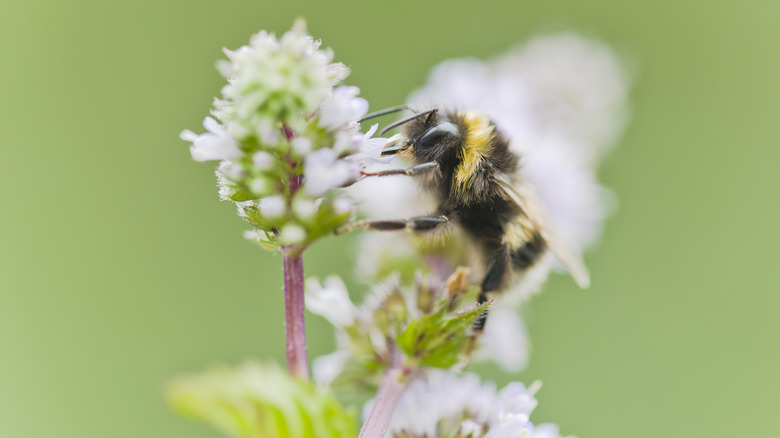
525	255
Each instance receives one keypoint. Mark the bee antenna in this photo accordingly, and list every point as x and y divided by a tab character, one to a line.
386	111
428	113
430	117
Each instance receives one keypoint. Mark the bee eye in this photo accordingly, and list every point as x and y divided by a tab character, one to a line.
436	134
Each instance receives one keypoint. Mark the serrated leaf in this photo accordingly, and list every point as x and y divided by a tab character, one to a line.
260	401
437	340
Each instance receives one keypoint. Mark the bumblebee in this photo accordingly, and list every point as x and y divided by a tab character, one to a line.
463	160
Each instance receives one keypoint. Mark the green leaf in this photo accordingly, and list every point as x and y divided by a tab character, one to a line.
437	340
260	401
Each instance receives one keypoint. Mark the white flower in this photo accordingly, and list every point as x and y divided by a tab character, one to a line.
331	301
441	401
560	85
270	79
505	340
292	234
367	150
263	160
215	144
301	146
567	186
342	205
579	86
443	405
280	116
326	368
323	171
273	206
232	171
304	209
342	108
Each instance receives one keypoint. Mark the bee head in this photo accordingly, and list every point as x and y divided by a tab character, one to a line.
429	136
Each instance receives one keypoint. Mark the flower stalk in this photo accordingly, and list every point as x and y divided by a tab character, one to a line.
294	305
295	321
390	389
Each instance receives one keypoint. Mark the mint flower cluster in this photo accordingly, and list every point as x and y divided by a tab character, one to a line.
427	324
285	135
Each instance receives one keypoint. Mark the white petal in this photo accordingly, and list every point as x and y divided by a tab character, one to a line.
291	234
211	148
505	340
213	126
273	206
213	145
263	160
188	135
331	301
342	108
326	368
323	172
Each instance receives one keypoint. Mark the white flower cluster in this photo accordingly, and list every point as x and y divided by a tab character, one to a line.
441	404
371	337
561	101
286	136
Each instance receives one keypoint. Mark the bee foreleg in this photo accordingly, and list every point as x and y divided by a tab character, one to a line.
420	223
418	169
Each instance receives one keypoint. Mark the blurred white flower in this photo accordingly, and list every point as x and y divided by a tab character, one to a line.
576	203
441	404
564	86
342	108
330	300
301	146
263	160
273	206
305	209
232	171
579	86
505	340
323	171
292	234
215	144
441	400
342	206
326	368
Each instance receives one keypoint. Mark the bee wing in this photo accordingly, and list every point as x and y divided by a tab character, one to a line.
525	197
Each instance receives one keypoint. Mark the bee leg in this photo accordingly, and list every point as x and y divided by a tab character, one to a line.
420	223
415	170
494	277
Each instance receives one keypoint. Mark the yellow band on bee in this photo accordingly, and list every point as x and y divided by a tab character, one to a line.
477	145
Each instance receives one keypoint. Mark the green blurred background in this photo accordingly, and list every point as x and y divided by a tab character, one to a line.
120	268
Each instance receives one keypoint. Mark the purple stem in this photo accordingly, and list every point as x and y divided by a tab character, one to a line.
295	321
294	308
390	390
